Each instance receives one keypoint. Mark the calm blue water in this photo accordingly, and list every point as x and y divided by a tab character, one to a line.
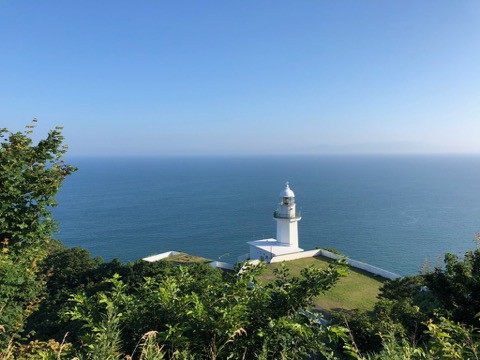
389	211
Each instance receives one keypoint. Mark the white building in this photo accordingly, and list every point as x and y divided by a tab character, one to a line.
287	231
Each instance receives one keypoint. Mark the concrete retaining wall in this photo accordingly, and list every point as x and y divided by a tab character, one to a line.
361	265
354	263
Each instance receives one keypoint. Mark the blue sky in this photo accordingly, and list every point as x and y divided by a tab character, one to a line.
244	77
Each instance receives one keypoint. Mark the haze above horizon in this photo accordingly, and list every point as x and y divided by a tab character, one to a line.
243	78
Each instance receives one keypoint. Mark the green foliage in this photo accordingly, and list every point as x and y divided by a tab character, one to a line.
229	319
457	287
449	340
45	350
405	317
357	290
66	272
395	347
101	317
19	293
149	347
30	176
402	288
362	327
299	292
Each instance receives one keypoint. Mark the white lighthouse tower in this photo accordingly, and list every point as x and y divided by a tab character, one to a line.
287	231
287	218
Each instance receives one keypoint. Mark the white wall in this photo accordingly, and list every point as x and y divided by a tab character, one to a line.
256	253
295	256
161	256
221	265
354	263
287	231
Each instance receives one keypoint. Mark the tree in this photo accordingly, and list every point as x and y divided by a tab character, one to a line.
30	176
457	287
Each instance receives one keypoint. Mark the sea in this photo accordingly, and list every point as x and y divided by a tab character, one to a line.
400	213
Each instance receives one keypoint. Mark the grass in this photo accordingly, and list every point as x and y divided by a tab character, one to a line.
184	258
358	290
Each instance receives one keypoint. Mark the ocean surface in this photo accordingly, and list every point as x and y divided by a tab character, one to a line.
390	211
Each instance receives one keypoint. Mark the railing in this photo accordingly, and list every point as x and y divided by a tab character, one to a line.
278	215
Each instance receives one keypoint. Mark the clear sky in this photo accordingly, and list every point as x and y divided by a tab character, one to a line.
159	77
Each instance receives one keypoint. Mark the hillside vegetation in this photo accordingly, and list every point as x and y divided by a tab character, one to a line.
60	303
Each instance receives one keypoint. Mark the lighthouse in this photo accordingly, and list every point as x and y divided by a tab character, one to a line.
287	219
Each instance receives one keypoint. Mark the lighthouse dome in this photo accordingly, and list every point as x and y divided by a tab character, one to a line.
287	192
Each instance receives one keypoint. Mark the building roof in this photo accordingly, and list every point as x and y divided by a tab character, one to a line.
274	247
287	192
161	256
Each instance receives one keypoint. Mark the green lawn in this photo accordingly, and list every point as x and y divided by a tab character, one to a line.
184	258
358	290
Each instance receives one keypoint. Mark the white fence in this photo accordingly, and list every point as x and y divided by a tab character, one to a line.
354	263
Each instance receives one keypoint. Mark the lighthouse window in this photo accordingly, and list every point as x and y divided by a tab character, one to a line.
286	200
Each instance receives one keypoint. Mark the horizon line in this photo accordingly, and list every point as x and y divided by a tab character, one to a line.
236	155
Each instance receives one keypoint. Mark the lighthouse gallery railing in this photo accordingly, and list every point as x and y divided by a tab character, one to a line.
278	215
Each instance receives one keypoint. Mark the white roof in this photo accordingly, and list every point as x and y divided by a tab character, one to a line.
161	256
287	192
274	247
